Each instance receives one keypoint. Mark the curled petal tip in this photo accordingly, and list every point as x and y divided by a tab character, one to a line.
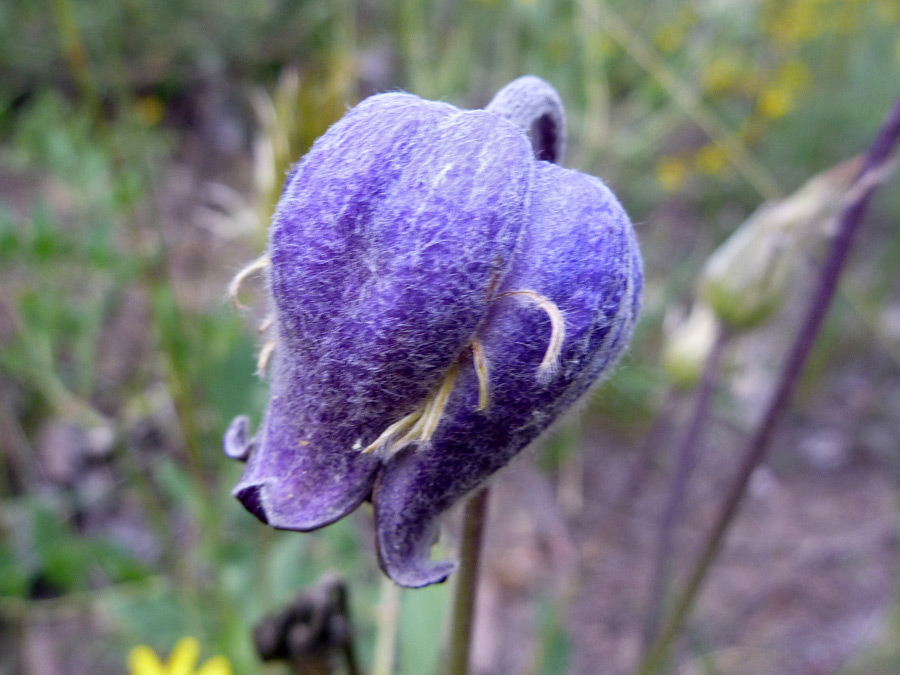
420	574
535	106
236	444
406	529
275	503
251	496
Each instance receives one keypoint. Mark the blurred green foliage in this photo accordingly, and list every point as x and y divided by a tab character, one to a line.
65	561
155	43
659	95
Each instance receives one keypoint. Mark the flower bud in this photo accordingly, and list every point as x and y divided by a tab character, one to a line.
747	279
688	345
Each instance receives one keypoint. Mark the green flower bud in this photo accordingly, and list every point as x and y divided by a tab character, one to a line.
688	345
746	280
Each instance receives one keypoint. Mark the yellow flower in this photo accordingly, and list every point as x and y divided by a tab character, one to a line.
775	102
669	38
722	74
672	173
710	159
793	23
143	661
150	110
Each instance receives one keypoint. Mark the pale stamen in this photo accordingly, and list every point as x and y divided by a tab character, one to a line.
557	330
392	430
250	268
419	425
265	354
431	415
481	370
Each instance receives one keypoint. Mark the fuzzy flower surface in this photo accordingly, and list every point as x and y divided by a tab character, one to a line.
441	291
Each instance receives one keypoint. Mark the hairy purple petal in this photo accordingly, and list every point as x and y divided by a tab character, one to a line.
534	106
387	244
579	251
236	443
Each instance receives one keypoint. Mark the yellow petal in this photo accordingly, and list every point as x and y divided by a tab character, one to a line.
672	173
217	665
184	657
710	159
143	661
775	102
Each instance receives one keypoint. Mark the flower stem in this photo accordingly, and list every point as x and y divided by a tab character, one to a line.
388	617
474	520
872	174
75	54
687	455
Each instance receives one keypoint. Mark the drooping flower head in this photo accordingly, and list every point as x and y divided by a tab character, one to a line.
440	293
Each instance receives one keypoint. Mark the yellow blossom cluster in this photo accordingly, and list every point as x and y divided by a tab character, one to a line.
768	73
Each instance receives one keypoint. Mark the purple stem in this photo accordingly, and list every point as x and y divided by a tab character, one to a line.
686	460
851	217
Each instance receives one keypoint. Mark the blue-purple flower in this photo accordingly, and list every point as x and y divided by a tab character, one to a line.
440	293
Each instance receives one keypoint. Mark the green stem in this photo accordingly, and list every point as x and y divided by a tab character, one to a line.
474	520
388	618
75	54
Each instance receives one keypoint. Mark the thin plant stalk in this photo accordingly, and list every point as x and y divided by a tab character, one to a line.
875	169
605	18
474	521
687	458
388	617
75	54
638	471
